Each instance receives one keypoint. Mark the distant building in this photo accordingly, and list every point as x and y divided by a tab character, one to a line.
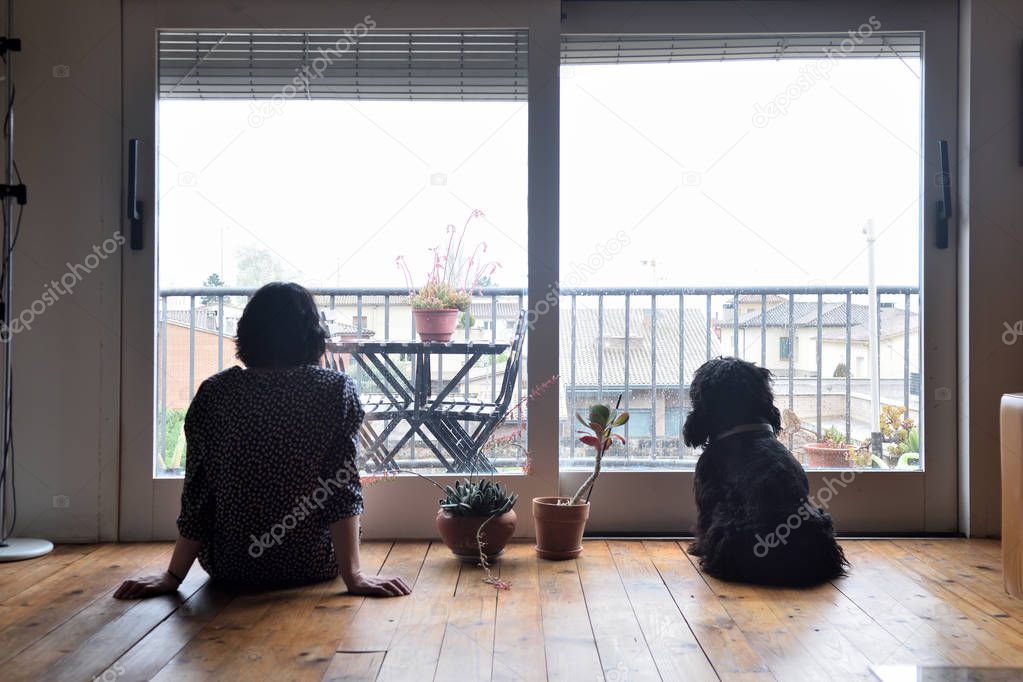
658	372
801	345
211	351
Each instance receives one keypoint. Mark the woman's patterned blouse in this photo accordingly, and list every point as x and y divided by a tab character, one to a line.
271	463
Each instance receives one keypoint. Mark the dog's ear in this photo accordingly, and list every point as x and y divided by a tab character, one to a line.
774	417
696	431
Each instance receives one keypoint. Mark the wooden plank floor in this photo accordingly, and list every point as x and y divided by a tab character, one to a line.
624	611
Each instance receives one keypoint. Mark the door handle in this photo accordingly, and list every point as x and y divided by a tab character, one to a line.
945	202
135	211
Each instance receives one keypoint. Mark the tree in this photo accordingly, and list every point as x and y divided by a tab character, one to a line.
257	267
211	281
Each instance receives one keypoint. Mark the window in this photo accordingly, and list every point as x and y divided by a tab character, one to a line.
640	423
321	157
674	418
696	222
785	348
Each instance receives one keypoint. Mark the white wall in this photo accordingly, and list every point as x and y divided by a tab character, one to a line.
991	232
66	381
832	352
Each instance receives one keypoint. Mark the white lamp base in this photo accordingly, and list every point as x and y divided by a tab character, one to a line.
19	549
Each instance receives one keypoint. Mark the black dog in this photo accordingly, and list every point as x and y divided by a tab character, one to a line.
755	520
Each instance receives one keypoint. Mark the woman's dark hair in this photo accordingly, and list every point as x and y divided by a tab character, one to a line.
280	327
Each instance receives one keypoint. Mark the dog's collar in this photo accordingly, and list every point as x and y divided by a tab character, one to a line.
743	428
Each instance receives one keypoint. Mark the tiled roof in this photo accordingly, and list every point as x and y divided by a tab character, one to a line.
323	300
756	298
833	315
640	337
506	309
345	329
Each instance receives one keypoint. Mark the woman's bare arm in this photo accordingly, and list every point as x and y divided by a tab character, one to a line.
345	536
185	552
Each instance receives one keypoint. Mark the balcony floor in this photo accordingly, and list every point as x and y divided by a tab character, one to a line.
625	610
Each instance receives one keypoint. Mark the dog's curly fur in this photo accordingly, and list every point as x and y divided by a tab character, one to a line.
748	486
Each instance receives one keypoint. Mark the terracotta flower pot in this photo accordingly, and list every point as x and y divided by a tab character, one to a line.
459	533
435	324
823	456
559	527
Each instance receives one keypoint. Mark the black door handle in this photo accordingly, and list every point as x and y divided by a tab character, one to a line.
134	204
945	202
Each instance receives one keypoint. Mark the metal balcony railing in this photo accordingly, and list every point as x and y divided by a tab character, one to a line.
641	342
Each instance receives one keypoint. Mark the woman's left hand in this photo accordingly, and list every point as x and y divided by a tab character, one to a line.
147	586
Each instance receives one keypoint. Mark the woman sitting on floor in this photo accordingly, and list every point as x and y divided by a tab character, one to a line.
272	496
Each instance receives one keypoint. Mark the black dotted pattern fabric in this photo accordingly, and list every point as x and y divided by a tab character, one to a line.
271	462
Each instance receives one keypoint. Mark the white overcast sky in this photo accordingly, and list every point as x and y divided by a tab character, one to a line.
667	153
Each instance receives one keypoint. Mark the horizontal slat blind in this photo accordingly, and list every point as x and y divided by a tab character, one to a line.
380	65
622	49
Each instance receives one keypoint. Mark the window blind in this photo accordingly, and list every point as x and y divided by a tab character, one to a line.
471	65
623	49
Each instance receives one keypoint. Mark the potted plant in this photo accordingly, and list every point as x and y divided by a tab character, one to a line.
901	440
476	519
899	432
833	451
449	284
560	521
907	450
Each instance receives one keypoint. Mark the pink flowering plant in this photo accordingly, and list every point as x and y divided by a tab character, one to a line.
456	274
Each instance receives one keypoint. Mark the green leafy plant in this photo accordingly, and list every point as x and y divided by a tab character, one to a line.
902	437
841	370
895	425
213	280
479	497
899	431
865	458
599	434
909	445
174	443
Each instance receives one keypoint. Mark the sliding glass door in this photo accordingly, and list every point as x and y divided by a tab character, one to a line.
759	180
646	185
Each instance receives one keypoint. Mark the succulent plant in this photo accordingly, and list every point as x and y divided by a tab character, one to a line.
834	438
482	497
599	434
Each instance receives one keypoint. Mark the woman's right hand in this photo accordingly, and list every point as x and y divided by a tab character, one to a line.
147	586
377	586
